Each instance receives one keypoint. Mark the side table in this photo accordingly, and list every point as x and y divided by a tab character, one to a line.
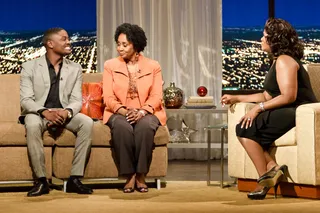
222	128
208	129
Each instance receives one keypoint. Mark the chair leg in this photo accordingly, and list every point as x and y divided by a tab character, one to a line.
64	185
158	182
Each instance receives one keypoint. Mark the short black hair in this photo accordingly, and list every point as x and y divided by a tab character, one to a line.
135	35
48	33
283	38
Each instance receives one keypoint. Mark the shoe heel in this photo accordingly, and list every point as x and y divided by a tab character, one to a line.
285	170
275	190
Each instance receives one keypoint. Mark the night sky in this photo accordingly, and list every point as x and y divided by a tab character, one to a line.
251	13
20	15
299	12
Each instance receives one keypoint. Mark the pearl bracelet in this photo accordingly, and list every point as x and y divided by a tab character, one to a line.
261	105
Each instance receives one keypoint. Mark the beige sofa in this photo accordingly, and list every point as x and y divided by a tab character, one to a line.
299	148
15	167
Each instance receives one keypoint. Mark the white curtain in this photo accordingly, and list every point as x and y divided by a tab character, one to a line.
185	36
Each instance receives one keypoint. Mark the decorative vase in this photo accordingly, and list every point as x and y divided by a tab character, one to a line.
173	97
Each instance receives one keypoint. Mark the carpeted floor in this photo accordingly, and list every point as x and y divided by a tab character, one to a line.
176	196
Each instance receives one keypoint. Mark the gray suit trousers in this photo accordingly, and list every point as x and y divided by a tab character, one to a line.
80	124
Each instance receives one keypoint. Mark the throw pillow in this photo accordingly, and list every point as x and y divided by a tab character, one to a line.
92	100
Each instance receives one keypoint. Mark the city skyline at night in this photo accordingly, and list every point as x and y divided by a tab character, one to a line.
244	64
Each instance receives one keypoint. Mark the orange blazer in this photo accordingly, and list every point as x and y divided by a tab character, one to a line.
149	85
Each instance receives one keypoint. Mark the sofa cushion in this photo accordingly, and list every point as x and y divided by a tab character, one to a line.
13	134
102	136
92	77
101	163
92	102
15	165
9	96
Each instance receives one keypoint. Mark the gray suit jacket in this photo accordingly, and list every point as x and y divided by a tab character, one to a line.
35	85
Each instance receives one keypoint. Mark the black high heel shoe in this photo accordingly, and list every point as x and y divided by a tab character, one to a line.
258	195
285	171
142	189
272	180
261	194
128	190
272	177
268	174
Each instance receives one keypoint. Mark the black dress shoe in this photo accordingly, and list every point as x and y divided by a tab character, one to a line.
74	185
39	188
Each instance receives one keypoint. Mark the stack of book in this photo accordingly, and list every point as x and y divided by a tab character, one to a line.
200	102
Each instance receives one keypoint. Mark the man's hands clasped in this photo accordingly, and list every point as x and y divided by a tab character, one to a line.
55	117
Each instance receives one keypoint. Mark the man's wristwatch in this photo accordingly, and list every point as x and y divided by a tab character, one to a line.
69	114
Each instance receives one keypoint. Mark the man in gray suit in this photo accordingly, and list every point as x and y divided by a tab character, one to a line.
51	98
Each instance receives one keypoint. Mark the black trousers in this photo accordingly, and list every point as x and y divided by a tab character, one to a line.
133	144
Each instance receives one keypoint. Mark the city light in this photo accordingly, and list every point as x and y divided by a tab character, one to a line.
244	63
16	48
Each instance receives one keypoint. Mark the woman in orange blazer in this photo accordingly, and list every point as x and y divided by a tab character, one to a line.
132	91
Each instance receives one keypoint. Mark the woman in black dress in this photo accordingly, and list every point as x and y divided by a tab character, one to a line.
286	86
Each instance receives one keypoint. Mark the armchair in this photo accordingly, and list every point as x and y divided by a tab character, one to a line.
299	148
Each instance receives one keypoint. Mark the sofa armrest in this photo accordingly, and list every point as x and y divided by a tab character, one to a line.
236	153
308	143
162	136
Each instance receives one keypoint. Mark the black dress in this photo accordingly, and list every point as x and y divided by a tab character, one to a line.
272	124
